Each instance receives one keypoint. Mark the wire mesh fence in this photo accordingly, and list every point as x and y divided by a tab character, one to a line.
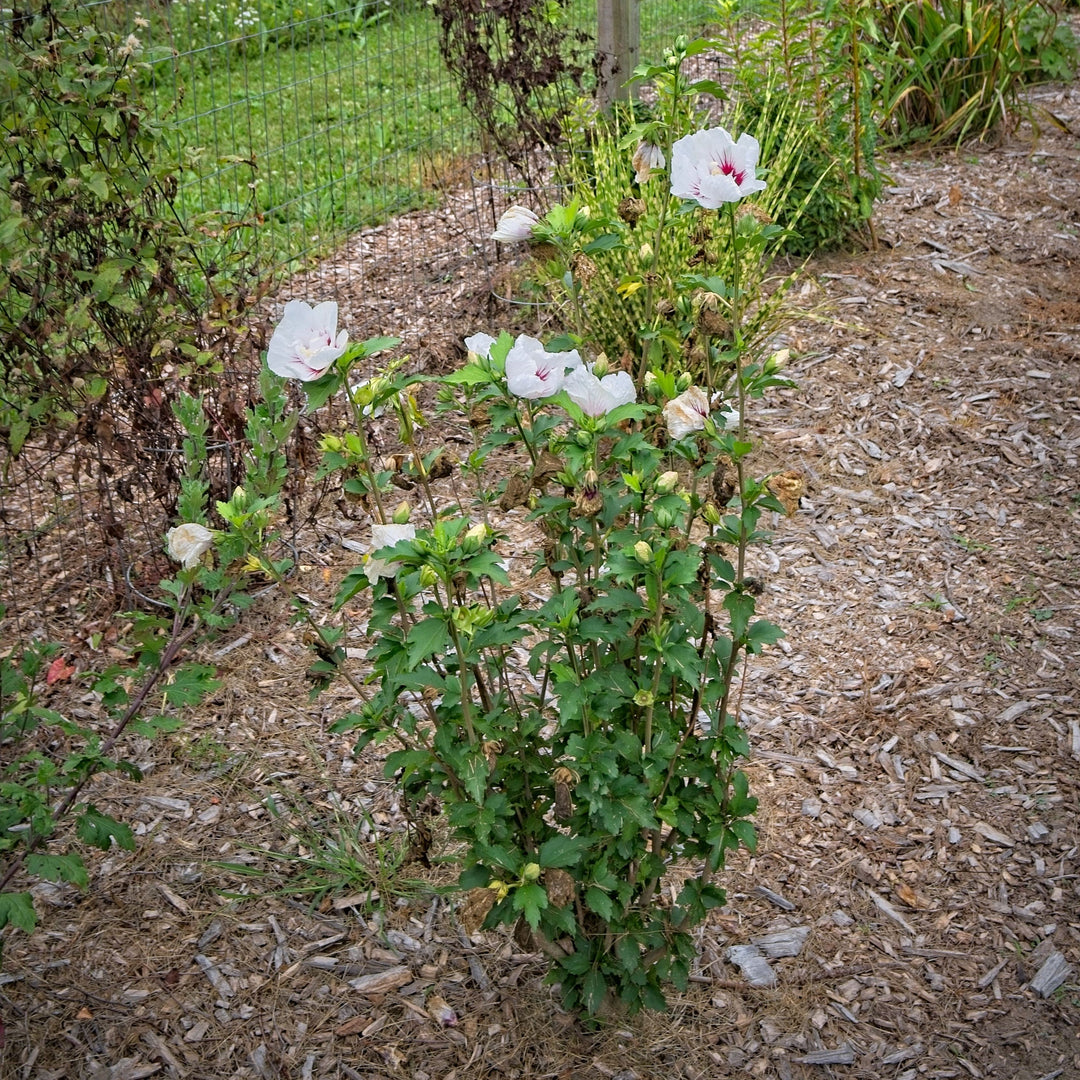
335	128
323	119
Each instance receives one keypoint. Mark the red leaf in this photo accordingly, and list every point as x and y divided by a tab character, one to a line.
59	671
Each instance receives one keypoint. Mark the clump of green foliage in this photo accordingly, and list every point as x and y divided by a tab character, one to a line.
103	286
950	70
803	73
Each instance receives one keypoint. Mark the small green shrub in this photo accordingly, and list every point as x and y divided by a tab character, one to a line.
102	284
947	70
1050	42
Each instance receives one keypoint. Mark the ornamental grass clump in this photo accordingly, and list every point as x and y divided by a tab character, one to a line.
558	635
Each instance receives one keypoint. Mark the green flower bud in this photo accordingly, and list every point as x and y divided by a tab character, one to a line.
583	439
401	513
711	514
645	252
684	382
664	517
643	552
472	540
428	577
667	482
331	444
777	361
601	366
531	872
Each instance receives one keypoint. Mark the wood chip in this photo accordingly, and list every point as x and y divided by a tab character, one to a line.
774	898
217	980
754	967
842	1055
783	942
1054	971
382	982
886	908
995	836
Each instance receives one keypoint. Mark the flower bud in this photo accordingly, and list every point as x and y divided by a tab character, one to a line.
531	872
711	514
471	541
667	482
664	517
601	366
777	361
428	577
684	382
583	439
645	252
401	513
643	552
331	444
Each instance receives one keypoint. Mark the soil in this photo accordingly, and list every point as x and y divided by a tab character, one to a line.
916	736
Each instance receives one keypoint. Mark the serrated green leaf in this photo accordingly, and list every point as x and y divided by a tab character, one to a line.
469	375
17	909
597	900
593	989
427	638
58	868
559	852
99	830
530	900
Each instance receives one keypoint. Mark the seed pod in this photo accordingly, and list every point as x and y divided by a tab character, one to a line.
560	887
632	210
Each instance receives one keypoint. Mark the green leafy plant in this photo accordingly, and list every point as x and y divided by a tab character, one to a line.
103	286
802	74
581	736
947	70
1050	42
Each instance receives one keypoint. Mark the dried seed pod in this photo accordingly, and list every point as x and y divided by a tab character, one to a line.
725	481
788	487
492	749
547	467
561	887
478	902
583	267
708	316
632	210
516	493
442	466
479	416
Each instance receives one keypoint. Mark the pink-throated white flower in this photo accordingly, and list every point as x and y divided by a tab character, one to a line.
687	412
646	158
306	342
188	542
595	396
712	169
532	372
515	225
383	536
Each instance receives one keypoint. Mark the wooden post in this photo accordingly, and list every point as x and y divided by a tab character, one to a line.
618	43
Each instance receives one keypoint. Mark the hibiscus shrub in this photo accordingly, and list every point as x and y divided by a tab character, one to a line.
556	655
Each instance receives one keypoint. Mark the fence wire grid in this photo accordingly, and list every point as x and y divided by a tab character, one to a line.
328	123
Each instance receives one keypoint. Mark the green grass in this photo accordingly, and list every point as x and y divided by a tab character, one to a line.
335	126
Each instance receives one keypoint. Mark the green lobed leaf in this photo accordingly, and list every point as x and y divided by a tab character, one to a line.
58	868
559	852
100	830
530	900
17	909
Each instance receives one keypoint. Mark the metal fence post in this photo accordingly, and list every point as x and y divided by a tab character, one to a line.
618	46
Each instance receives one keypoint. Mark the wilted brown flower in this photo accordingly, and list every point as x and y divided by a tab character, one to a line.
632	210
788	487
